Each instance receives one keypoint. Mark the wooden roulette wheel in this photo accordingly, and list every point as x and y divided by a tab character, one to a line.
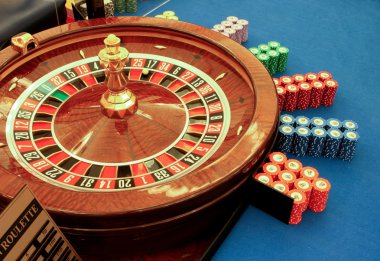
135	139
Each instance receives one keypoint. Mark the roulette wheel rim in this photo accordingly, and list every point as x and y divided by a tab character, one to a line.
252	146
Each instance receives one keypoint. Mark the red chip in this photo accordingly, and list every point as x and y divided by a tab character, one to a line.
311	77
281	94
285	80
316	94
304	95
298	78
331	86
324	76
291	97
276	82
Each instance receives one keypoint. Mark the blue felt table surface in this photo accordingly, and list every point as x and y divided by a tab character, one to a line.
342	37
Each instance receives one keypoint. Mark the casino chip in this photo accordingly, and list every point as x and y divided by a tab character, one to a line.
280	186
317	142
332	143
301	141
348	146
319	195
287	119
298	206
285	140
264	178
278	158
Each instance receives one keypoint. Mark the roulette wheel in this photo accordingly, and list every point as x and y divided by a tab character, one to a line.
132	132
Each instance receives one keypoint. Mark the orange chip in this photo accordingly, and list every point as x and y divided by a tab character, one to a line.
309	173
293	165
321	184
280	186
264	178
278	158
288	177
272	169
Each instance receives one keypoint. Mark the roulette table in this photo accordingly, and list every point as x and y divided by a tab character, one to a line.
342	38
133	132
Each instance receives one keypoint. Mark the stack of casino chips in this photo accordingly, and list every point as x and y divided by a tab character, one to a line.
306	91
272	55
119	6
168	15
317	137
109	8
291	178
131	6
234	28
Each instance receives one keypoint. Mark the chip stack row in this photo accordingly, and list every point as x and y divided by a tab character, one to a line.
168	15
234	28
303	184
317	137
272	55
305	91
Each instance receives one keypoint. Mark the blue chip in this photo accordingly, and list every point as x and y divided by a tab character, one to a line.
285	140
287	119
348	146
302	121
301	141
349	125
317	142
333	123
333	139
317	122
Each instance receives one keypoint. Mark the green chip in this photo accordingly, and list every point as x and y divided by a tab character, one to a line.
264	59
160	16
254	50
283	49
263	48
169	13
273	61
173	18
273	45
282	59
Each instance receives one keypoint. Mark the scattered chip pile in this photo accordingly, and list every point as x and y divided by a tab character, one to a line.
234	28
317	137
300	92
291	178
168	15
272	55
